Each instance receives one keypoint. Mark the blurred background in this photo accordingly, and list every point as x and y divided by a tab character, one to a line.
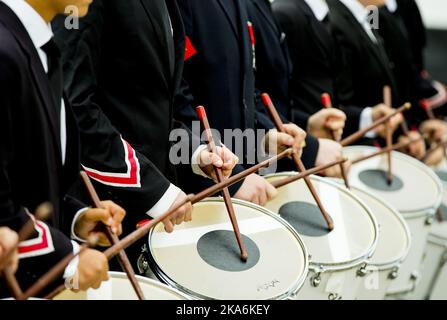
434	13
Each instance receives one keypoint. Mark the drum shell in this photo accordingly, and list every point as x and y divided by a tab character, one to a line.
419	220
379	274
433	284
332	285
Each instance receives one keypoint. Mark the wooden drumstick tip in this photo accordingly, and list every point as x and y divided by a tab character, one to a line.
244	256
407	106
330	226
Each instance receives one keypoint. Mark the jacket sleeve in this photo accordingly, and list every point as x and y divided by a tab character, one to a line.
117	168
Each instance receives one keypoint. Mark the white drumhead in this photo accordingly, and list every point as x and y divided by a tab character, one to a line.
355	231
421	190
394	236
119	288
280	271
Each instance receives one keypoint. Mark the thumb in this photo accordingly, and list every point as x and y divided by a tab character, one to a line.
215	160
271	191
283	139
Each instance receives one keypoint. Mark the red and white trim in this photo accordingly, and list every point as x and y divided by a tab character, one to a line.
129	179
39	246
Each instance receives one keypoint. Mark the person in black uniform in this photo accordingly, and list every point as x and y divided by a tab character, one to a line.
219	74
366	68
411	84
39	160
273	73
123	66
316	66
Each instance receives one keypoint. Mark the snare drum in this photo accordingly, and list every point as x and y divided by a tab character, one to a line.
416	192
336	257
433	284
201	258
392	247
119	288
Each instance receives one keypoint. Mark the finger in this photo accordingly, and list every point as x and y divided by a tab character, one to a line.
188	214
262	197
118	215
215	160
284	139
99	215
180	216
169	227
271	191
335	125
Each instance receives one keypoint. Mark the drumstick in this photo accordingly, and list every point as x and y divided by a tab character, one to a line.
359	134
387	100
42	212
219	175
386	150
300	166
327	103
57	269
282	182
113	238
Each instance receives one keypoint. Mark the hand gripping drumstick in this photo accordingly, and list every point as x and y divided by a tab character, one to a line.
359	134
440	144
42	213
387	100
226	194
58	269
327	103
300	166
113	238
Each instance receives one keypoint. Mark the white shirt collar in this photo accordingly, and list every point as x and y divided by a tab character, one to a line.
357	9
391	5
39	31
319	8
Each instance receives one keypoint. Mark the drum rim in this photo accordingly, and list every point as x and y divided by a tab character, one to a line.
425	211
159	273
398	215
123	276
320	267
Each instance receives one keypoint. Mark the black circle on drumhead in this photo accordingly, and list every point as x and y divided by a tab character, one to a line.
219	249
376	179
305	217
442	175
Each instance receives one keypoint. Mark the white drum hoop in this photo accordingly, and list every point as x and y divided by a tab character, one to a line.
158	272
412	214
151	282
320	267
